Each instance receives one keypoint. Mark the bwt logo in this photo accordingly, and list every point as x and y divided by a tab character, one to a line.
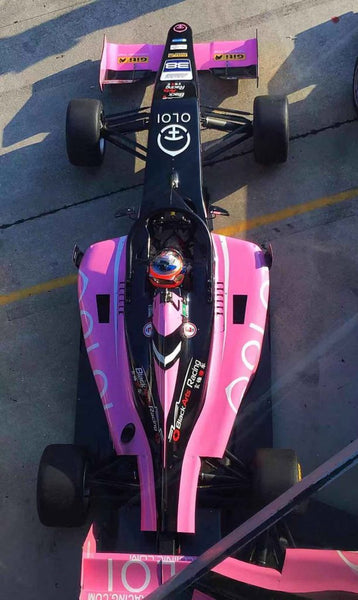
177	65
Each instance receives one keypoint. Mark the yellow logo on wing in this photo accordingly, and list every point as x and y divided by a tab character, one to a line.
132	59
228	56
177	55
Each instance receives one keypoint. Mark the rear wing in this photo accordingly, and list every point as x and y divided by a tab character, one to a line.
126	63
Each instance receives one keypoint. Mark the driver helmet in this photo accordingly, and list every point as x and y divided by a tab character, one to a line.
167	269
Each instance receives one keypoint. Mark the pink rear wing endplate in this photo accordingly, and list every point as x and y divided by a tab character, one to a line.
134	61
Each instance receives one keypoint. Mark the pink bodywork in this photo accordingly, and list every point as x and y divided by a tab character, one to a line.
304	572
234	356
152	55
103	272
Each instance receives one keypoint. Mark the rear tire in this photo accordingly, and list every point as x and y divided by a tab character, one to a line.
355	86
61	500
275	471
84	123
270	129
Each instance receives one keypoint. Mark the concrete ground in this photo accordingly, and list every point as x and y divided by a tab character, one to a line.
49	53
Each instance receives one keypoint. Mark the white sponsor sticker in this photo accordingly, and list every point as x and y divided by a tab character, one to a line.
177	70
178	47
179	76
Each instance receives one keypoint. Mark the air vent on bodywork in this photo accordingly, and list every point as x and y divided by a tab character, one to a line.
239	308
219	298
103	307
121	296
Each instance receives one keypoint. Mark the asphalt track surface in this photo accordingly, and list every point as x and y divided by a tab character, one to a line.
306	208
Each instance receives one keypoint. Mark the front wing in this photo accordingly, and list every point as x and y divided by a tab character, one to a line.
125	63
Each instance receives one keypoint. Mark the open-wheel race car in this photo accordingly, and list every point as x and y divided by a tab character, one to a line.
174	318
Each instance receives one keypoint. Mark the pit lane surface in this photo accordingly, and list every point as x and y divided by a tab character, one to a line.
50	53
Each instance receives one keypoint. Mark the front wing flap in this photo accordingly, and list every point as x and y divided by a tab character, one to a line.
126	63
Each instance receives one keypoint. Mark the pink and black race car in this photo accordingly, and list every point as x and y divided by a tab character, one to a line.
174	319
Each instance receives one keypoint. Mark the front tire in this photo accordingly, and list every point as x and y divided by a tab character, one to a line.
84	123
270	129
61	497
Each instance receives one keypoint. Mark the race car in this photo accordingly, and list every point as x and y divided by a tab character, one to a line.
174	319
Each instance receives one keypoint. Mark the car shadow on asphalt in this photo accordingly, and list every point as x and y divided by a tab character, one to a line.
317	78
60	34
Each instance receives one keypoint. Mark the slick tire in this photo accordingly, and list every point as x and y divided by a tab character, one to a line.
275	470
270	129
355	86
61	498
84	124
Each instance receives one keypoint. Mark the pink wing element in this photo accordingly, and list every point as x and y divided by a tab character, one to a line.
129	58
125	575
103	272
304	571
212	55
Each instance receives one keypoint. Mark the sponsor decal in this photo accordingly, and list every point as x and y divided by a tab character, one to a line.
175	89
148	329
189	330
177	55
197	373
173	95
178	40
179	412
192	382
132	59
177	69
141	384
134	576
174	86
139	379
173	139
179	27
176	117
178	47
229	56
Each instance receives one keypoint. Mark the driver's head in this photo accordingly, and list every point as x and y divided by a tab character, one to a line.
167	269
